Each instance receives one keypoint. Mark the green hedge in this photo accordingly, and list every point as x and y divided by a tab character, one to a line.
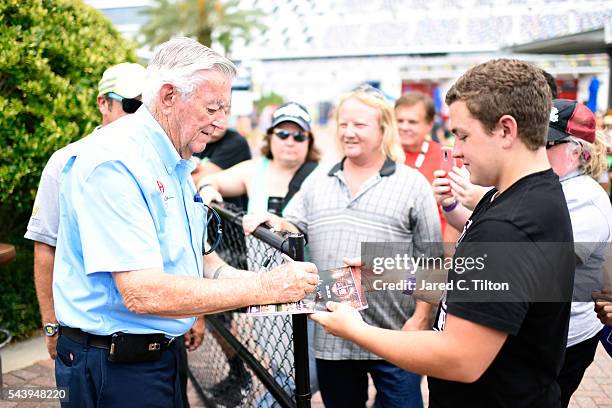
52	54
18	305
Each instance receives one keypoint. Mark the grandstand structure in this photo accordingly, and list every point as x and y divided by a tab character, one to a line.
311	28
315	50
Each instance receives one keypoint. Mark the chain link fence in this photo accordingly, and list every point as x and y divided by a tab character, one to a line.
250	361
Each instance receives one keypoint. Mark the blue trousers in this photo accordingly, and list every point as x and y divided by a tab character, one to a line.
94	382
344	384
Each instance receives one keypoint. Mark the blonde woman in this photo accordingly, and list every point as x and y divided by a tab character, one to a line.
369	196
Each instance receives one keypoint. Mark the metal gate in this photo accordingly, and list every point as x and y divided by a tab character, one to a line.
248	361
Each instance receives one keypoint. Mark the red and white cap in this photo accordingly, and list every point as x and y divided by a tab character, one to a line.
570	118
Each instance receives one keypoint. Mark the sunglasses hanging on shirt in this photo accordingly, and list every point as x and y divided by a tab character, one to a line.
213	220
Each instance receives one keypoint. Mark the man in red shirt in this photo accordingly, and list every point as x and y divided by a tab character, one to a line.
414	114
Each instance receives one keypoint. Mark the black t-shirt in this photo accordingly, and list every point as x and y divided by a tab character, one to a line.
231	149
523	374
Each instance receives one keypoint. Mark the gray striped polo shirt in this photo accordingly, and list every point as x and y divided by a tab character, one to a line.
395	205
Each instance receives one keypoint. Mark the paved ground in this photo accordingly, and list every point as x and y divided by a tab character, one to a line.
595	390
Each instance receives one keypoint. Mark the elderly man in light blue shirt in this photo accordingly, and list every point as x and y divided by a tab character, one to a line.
129	263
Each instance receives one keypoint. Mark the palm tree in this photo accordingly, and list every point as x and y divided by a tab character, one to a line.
206	20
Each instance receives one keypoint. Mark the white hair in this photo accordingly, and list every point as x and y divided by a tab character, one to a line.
179	62
593	157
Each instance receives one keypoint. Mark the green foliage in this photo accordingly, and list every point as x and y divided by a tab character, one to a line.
18	305
52	54
206	20
268	99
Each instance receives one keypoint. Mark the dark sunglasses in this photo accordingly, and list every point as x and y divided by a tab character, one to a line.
557	142
127	104
297	136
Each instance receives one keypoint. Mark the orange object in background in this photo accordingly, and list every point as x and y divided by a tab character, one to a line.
7	254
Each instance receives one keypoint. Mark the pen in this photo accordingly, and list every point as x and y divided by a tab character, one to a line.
266	263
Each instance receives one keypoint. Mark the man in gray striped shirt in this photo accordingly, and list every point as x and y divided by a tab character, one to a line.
370	196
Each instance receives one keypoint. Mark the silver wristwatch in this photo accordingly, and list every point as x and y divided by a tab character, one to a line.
50	329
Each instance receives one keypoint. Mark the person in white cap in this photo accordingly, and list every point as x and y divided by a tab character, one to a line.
119	93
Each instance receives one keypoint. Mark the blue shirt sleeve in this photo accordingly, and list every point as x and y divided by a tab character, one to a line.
116	229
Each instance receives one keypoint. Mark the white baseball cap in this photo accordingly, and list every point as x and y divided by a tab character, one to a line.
125	79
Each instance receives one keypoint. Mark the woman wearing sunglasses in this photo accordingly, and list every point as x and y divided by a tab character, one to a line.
288	156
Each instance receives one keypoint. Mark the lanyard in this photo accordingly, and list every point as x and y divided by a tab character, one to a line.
421	157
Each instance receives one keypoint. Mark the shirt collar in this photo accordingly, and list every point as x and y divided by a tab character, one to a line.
159	139
387	169
571	174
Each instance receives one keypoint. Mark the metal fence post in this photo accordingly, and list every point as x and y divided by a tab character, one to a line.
300	336
262	346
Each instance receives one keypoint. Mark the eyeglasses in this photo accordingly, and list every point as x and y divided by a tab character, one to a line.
297	136
557	142
370	90
129	105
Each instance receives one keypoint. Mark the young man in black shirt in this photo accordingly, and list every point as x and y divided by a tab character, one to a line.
494	349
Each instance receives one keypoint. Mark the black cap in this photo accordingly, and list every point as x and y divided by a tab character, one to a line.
292	112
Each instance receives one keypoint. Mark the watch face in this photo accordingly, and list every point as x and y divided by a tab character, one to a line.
50	329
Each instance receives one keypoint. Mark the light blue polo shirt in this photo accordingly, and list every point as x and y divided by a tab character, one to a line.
126	203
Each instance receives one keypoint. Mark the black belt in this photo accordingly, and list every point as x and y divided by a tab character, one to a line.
103	342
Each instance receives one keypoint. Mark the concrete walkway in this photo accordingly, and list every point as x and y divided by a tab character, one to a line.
27	364
23	354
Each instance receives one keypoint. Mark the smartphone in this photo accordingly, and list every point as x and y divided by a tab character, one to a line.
446	159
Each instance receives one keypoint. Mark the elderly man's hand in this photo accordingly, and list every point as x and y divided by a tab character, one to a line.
342	320
52	345
289	282
604	311
195	335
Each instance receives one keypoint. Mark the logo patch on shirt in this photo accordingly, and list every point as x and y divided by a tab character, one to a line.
165	195
554	115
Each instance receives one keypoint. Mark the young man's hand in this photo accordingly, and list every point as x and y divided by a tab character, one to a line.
467	193
342	320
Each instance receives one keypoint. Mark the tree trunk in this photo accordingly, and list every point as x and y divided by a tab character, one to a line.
204	32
